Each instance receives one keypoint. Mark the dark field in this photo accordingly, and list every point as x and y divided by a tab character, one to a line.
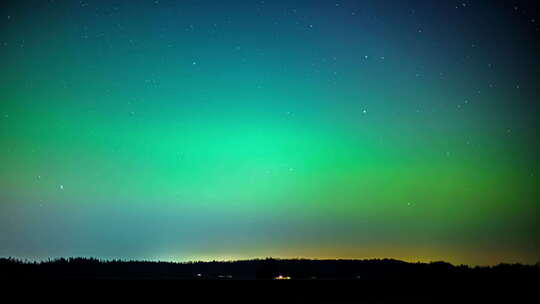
311	281
263	269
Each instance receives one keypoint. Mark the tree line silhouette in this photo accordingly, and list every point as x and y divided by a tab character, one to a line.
269	268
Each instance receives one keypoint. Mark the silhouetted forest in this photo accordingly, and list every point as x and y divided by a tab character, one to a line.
270	268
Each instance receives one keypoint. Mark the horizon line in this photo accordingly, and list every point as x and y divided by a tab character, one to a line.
51	259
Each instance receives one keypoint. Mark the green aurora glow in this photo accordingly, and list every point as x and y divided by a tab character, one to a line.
198	130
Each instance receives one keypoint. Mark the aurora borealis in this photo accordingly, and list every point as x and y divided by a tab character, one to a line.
190	130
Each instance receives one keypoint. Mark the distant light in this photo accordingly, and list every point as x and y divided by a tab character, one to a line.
280	277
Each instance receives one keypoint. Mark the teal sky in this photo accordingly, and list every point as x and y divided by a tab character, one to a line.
182	130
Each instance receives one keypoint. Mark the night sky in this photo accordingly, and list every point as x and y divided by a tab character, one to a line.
197	130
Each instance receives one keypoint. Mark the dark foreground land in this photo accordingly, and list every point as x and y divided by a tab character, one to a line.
294	269
305	281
